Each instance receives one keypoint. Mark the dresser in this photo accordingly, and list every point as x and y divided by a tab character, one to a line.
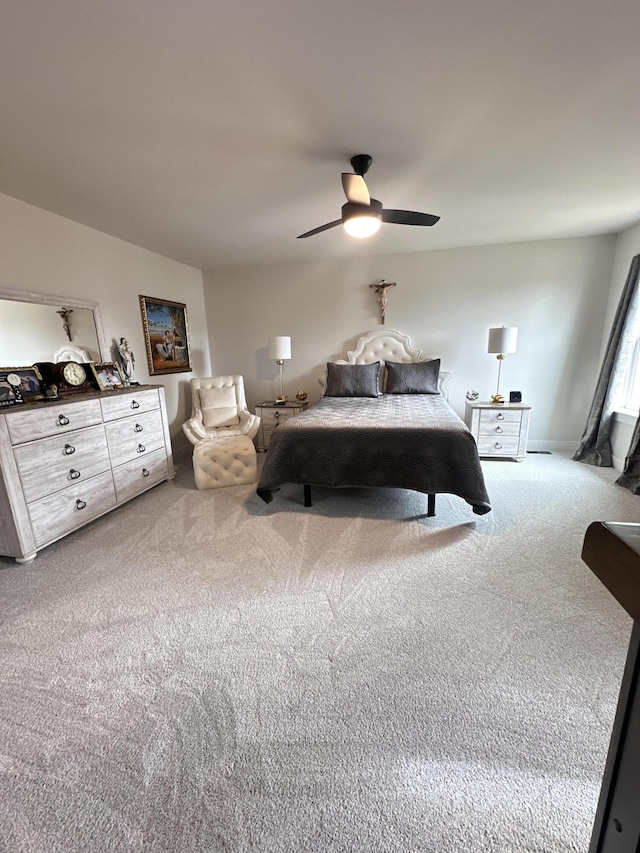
64	464
273	414
500	429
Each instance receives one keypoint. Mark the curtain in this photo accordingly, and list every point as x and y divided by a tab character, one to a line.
630	477
595	445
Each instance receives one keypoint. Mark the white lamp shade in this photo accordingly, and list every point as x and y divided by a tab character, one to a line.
503	339
280	347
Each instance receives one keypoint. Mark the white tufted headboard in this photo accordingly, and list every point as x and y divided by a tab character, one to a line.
387	345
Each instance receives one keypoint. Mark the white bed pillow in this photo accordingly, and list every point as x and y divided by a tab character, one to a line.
219	407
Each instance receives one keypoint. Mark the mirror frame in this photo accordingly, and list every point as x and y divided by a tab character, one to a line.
66	301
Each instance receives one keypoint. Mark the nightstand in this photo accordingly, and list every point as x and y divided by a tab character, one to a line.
273	414
500	429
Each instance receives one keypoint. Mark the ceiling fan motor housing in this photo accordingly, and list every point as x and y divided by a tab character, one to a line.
360	163
351	209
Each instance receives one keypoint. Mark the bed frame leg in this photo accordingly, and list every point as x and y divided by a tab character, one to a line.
431	506
307	495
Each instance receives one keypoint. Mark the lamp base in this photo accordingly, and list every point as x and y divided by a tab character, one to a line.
497	398
281	399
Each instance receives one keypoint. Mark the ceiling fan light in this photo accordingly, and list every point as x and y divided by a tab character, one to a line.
362	226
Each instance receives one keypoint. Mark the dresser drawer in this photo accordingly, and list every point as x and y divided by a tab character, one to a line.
52	464
57	514
497	446
139	474
33	423
132	437
122	405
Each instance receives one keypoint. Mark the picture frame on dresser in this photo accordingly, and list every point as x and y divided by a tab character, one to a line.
28	389
108	375
9	393
166	335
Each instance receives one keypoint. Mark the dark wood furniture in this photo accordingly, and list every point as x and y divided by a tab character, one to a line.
612	552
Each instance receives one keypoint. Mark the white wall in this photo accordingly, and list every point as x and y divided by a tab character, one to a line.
627	246
43	252
555	291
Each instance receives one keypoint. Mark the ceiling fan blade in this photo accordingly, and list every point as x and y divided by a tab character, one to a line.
355	188
408	217
320	229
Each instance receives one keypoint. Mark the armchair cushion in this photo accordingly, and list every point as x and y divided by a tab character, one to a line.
219	407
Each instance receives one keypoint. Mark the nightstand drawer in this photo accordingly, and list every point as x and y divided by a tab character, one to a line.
491	417
503	446
272	417
502	428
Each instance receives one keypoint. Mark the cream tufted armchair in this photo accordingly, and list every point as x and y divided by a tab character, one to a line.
219	410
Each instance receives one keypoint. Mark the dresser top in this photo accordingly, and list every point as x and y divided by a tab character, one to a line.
77	397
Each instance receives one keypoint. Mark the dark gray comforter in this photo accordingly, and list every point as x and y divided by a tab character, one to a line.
406	441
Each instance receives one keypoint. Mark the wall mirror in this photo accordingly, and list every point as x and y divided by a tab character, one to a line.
33	329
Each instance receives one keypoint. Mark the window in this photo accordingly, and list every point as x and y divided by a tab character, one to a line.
631	397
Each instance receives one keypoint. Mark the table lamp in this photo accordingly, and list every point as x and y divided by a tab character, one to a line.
280	351
502	340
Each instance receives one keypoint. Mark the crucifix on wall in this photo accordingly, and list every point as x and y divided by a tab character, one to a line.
66	313
381	290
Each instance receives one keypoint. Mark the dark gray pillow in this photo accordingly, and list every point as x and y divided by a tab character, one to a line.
353	380
416	378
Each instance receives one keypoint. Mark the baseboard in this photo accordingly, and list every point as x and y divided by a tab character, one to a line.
550	446
565	447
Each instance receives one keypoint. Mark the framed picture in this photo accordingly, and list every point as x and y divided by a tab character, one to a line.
166	335
108	375
19	385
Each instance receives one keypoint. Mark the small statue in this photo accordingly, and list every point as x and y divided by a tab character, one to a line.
472	395
302	396
127	359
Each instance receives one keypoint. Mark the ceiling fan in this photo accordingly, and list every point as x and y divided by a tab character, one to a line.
362	215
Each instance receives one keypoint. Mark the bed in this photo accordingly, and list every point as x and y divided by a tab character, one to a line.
392	428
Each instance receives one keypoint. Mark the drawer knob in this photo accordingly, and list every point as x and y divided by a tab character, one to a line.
141	448
135	404
69	449
62	421
499	429
73	474
80	504
145	472
500	417
138	428
498	446
276	415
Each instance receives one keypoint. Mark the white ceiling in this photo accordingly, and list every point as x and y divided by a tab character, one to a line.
215	131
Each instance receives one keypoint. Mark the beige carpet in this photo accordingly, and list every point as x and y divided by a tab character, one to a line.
201	672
